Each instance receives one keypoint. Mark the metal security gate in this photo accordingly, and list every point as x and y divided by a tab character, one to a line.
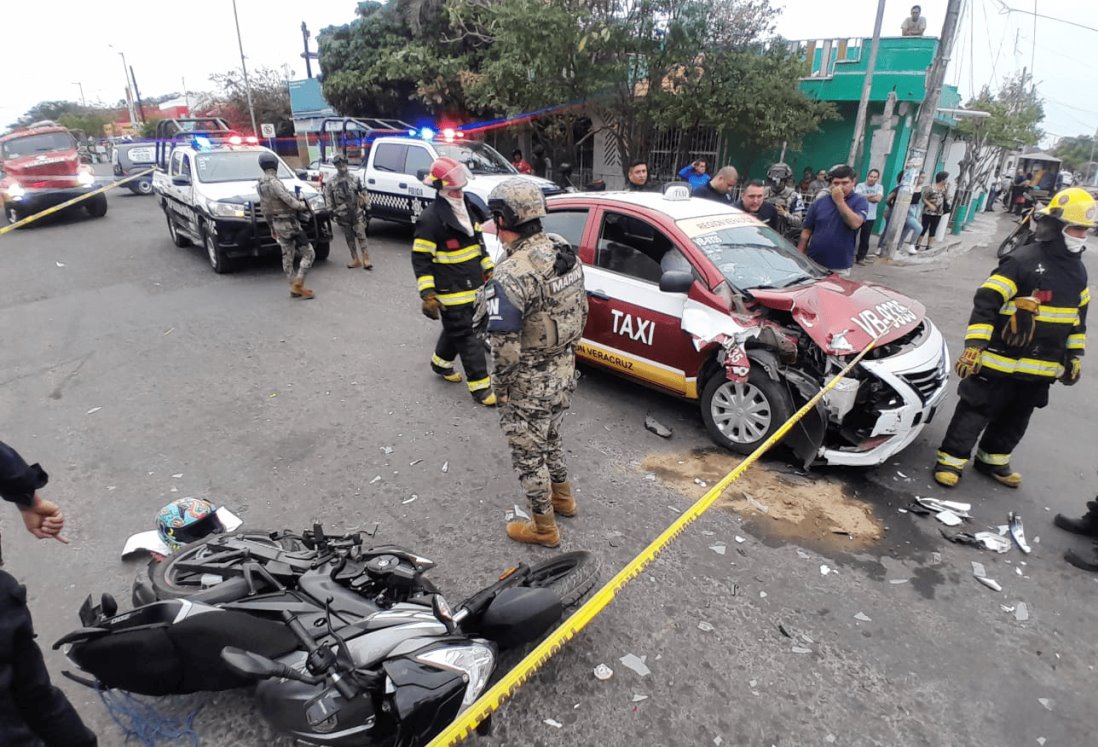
701	143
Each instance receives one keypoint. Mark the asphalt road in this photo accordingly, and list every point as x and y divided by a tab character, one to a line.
135	376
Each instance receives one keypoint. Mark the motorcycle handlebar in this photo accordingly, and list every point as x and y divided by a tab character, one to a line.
341	685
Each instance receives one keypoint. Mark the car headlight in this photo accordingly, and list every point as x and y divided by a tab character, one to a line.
85	178
316	202
15	191
475	660
225	209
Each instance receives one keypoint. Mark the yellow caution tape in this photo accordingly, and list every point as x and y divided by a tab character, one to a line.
69	203
502	691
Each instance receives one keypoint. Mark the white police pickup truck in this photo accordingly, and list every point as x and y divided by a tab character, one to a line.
206	184
392	169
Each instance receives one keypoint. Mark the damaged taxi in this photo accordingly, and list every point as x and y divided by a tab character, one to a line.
704	302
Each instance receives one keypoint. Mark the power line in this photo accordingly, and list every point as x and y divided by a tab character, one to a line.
1007	9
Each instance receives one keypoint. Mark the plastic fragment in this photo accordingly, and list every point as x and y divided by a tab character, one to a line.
445	467
376	479
703	625
1006	608
636	664
637	697
1021	612
863	617
756	505
414	496
717	739
1018	570
803	555
1014	521
901	474
935	558
651	477
519	513
655	426
978	570
830	739
740	540
762	595
59	264
387	449
699	482
414	462
948	518
603	672
1047	702
801	650
554	723
825	569
1041	741
897	580
177	475
989	583
992	541
94	410
718	548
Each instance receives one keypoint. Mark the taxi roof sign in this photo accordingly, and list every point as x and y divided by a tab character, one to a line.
676	192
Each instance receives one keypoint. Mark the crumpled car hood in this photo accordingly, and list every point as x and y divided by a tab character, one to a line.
842	316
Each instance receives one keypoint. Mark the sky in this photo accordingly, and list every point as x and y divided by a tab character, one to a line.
198	38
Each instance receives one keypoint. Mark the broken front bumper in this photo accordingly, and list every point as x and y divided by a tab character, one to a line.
914	387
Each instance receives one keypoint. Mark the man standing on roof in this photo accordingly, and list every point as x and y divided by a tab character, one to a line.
346	200
280	210
1027	330
451	265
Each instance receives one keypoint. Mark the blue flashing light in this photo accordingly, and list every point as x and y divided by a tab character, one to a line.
426	133
202	142
412	133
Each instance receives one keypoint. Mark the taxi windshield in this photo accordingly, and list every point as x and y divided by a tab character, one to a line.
748	254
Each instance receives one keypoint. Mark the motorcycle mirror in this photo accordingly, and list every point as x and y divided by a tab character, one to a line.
441	609
249	664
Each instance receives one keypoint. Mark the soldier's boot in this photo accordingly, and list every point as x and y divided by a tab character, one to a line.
564	503
1087	525
1088	562
355	262
540	530
298	290
1000	473
366	263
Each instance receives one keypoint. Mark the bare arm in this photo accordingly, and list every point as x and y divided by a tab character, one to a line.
802	245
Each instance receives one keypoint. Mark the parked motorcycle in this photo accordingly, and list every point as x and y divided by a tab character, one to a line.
1022	234
357	648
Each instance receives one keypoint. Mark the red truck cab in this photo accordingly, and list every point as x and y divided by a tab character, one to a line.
40	168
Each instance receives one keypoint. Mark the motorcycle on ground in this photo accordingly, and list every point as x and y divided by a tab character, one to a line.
349	646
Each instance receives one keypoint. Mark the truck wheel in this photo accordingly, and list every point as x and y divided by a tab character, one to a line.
219	263
740	416
177	238
142	187
322	250
96	206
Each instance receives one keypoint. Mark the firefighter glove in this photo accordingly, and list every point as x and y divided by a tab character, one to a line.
968	364
431	306
1019	329
1073	369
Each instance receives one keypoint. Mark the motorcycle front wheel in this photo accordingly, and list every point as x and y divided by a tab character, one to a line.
571	575
170	580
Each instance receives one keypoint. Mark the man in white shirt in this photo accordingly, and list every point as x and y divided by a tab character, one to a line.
915	24
873	192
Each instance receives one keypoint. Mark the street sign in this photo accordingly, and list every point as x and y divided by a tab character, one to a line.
267	130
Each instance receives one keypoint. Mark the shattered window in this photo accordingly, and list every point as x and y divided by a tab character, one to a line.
749	254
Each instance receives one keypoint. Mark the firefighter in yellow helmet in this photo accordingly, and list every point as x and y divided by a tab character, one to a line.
1027	330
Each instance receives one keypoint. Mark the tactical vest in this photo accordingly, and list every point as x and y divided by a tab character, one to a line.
557	311
270	201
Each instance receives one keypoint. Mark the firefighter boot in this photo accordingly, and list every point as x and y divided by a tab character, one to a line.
298	289
541	530
564	503
947	470
1000	473
1087	525
445	369
485	397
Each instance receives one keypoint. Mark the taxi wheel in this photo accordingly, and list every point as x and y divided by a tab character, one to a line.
741	415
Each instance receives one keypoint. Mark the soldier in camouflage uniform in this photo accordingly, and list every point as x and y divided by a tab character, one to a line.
781	194
280	209
536	307
346	200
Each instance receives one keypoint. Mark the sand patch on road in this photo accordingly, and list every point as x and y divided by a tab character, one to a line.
814	508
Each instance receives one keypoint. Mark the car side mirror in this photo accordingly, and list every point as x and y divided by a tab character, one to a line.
181	181
302	174
674	281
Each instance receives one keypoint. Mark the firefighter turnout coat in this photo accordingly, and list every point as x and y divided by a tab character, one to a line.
1057	279
448	262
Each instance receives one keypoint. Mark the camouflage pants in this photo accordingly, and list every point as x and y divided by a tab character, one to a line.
532	428
291	238
355	233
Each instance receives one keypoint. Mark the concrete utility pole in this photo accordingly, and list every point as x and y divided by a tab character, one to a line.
307	54
921	140
863	105
244	67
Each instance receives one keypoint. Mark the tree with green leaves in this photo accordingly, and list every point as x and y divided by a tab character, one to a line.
1014	115
1076	152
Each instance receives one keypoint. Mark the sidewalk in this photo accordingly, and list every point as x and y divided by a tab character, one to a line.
983	229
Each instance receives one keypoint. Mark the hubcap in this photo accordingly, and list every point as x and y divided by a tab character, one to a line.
741	412
211	249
